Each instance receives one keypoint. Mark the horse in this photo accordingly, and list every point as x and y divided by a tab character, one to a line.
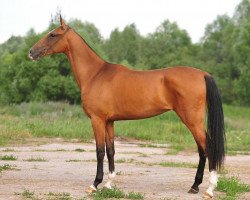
113	92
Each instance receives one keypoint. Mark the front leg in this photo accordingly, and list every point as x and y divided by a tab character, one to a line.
110	148
98	125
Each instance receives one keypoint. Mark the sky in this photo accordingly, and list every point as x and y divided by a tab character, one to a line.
18	16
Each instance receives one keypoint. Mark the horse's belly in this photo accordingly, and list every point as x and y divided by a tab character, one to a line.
138	111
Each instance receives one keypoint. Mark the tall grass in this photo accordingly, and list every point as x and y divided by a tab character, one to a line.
59	119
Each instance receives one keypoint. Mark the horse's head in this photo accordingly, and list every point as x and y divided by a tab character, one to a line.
53	42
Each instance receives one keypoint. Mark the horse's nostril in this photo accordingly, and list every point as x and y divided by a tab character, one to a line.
31	51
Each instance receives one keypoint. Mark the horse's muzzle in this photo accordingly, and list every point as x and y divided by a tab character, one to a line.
34	54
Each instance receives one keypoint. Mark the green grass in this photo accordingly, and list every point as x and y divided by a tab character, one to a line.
74	160
8	157
59	196
123	160
6	167
163	164
177	164
53	119
232	187
9	150
36	159
80	150
26	194
115	193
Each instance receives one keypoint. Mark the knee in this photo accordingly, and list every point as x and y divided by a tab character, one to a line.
100	153
110	151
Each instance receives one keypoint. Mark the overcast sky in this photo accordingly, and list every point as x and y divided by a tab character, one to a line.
18	16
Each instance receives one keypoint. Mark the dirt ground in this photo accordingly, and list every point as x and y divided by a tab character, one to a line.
70	171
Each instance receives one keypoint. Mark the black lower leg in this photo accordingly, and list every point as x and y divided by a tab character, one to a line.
100	153
110	154
200	171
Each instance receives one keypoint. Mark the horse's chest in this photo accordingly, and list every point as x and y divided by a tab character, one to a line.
92	106
86	106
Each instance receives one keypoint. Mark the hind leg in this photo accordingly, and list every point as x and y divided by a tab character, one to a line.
213	179
200	138
200	171
194	120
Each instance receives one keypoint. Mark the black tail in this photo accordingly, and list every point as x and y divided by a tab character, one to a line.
215	149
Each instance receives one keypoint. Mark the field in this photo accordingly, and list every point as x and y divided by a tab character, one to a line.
18	122
47	152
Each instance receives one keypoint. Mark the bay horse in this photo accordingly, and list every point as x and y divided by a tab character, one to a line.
112	92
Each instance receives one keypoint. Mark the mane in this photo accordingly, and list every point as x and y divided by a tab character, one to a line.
87	44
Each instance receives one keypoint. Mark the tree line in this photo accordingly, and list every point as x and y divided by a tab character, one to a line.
223	51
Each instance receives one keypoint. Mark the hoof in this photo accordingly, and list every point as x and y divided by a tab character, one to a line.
193	191
91	189
207	196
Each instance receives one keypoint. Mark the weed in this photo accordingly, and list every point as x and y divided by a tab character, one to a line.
8	157
60	150
37	159
26	194
134	195
74	160
115	193
59	196
79	150
6	167
177	164
123	160
9	150
142	155
232	186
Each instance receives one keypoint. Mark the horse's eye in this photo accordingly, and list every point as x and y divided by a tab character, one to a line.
52	35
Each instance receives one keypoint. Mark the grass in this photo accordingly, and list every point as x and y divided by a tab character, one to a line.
115	193
123	160
59	196
26	194
163	164
6	167
36	159
8	157
80	150
53	119
177	164
9	150
232	187
74	160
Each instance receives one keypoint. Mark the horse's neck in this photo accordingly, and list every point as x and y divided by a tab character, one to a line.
84	62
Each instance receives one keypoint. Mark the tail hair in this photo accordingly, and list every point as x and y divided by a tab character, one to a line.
215	142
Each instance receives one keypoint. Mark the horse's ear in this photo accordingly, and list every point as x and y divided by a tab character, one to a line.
63	25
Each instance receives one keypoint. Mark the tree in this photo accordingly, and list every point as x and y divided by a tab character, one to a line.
168	45
123	45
